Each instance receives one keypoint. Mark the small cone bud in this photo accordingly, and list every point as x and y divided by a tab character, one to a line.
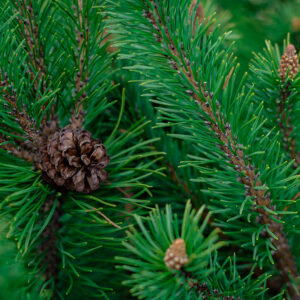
289	61
176	257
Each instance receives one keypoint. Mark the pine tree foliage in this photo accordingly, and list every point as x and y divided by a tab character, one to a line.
175	181
43	74
154	88
202	276
278	88
203	96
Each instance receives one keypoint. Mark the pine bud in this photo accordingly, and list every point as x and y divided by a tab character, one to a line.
176	257
289	61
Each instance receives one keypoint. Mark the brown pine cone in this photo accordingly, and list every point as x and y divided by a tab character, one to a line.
73	160
289	61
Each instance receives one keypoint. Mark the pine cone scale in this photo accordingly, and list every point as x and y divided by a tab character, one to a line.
85	160
98	153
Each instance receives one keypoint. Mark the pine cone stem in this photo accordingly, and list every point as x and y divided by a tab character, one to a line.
284	259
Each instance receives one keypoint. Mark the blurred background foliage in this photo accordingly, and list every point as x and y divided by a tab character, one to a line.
255	21
13	273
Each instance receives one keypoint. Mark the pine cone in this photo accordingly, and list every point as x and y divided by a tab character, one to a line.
73	160
176	257
289	60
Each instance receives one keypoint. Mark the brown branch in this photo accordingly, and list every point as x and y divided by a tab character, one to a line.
49	245
283	257
82	74
18	152
20	116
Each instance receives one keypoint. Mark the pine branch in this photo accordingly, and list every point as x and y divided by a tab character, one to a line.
253	185
176	258
289	64
173	262
18	152
29	30
20	116
28	149
278	89
82	74
35	221
49	248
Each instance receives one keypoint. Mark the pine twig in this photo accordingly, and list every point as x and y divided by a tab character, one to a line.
82	74
283	257
49	244
20	116
18	152
34	44
288	63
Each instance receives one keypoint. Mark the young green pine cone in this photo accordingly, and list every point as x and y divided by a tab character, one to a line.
176	257
73	160
289	60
